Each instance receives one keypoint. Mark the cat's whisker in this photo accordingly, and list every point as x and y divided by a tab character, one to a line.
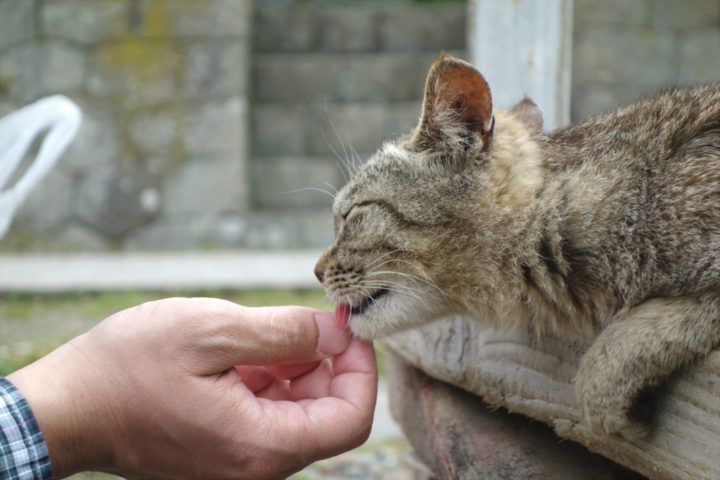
322	303
404	289
409	276
341	162
332	188
364	291
356	160
398	287
369	266
422	276
348	301
382	284
347	162
409	292
444	297
397	260
310	189
425	279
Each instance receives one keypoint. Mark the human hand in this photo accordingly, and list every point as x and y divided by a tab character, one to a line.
203	388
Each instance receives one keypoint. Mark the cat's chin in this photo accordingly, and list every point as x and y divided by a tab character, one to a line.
390	314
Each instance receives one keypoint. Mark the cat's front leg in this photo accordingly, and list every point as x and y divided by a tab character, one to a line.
635	353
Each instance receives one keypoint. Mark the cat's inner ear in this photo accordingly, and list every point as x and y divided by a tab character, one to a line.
529	113
457	109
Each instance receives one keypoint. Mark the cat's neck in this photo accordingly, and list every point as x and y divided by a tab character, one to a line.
532	272
515	163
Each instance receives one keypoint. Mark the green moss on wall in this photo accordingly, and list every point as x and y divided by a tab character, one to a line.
150	55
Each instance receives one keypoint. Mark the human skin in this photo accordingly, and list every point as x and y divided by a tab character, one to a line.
203	388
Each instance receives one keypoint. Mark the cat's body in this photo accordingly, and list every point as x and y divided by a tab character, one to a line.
612	226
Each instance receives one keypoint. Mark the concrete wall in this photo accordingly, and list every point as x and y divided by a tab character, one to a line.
160	159
330	82
170	90
623	50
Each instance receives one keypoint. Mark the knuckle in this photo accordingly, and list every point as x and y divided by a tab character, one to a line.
284	325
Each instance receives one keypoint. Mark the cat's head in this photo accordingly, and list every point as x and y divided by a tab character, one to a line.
406	225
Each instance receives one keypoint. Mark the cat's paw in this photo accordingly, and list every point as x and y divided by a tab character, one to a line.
610	415
609	405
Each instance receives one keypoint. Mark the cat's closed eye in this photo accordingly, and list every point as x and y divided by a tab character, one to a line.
356	219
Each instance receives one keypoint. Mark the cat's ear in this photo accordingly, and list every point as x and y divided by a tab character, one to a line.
529	113
457	109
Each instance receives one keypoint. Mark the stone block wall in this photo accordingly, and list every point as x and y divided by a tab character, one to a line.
331	81
160	160
211	123
216	123
623	50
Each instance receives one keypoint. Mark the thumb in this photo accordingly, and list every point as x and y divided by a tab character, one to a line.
276	335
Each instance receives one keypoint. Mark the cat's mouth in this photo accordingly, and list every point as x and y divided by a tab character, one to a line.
365	304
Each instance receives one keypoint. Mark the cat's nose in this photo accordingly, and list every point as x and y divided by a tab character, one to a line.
321	266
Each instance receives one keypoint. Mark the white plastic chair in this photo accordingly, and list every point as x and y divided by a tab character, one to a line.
57	115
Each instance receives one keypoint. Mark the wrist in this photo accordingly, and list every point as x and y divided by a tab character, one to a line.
70	417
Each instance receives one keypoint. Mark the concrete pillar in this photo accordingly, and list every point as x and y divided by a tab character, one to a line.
524	47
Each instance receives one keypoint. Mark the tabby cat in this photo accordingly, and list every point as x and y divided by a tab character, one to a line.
610	226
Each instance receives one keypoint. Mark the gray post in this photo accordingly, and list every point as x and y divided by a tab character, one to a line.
524	47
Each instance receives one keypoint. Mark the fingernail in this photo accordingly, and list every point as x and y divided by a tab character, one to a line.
333	337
